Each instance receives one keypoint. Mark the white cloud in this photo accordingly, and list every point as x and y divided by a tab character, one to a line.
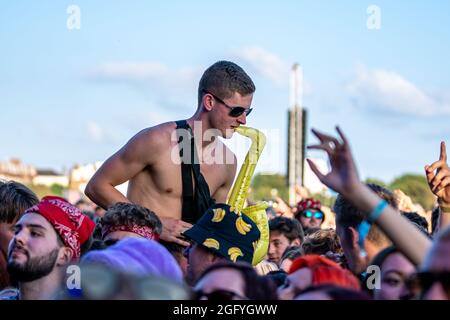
165	85
95	132
265	63
384	90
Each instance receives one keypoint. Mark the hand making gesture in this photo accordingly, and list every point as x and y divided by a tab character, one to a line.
343	177
438	177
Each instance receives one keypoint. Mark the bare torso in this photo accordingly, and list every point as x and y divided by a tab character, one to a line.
159	185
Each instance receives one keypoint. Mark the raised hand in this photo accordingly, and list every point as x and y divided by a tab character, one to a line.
343	177
438	177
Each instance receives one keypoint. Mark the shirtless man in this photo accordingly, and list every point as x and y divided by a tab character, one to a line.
147	161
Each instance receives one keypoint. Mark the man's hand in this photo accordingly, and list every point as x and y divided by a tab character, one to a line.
343	177
172	229
438	177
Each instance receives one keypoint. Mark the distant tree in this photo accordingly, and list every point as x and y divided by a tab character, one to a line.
377	182
262	187
57	189
416	187
324	198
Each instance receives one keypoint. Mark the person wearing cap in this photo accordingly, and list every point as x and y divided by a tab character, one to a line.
309	214
219	235
47	238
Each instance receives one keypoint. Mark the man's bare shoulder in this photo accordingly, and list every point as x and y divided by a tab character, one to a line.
159	135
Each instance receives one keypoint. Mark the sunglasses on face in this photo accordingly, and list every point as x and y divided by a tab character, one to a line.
421	282
309	214
234	111
218	295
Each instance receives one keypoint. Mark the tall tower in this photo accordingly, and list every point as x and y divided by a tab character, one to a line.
296	134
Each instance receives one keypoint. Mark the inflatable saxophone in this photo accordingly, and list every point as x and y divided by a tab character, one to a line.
239	193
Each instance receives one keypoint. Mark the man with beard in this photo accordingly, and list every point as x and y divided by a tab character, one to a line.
46	239
15	198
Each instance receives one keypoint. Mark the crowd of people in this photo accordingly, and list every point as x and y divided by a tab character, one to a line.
174	236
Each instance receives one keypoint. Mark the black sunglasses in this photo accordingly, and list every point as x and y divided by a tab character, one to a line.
218	295
234	111
421	282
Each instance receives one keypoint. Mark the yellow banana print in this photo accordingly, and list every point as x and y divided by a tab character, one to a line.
219	213
242	226
234	253
211	243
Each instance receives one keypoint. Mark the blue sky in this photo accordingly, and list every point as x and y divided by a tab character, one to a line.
76	96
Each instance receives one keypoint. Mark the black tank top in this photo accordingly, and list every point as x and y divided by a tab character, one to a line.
195	201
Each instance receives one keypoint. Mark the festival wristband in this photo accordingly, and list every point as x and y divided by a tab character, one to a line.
377	211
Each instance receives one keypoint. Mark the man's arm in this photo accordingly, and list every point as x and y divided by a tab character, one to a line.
119	168
343	178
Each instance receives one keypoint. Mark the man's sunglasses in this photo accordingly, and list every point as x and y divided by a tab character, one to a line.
234	111
218	295
421	282
309	214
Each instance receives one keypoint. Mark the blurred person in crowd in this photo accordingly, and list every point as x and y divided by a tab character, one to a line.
348	220
15	198
233	281
284	232
321	242
432	282
309	213
289	255
85	205
370	202
215	238
101	282
47	238
278	277
150	161
124	220
314	270
139	256
420	222
395	270
331	292
264	267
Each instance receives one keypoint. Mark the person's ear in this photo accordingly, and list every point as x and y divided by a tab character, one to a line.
353	236
65	256
296	242
208	102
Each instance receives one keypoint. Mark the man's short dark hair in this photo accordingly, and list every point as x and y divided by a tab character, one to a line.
223	79
15	198
349	216
131	214
290	228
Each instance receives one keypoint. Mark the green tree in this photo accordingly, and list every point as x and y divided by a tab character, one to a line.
377	181
263	184
416	187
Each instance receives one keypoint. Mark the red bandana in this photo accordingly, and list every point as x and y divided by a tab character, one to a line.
73	227
143	231
309	203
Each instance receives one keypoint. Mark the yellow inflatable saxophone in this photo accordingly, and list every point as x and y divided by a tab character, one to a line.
239	193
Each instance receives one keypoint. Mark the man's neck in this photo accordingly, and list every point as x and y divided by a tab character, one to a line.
44	288
199	125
